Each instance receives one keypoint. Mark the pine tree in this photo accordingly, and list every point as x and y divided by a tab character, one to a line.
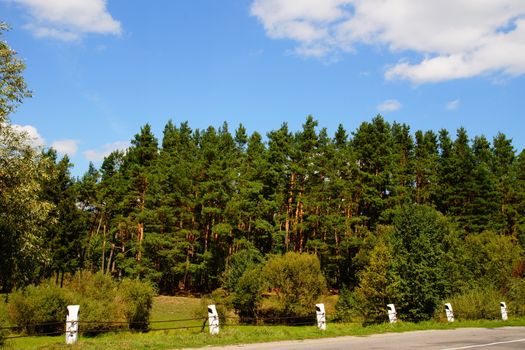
426	167
502	166
279	183
65	233
372	144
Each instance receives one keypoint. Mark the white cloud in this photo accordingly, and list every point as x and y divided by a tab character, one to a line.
32	134
309	22
452	105
454	38
68	20
68	147
98	155
389	106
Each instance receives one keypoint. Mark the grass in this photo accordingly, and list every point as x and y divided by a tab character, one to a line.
235	335
169	308
174	308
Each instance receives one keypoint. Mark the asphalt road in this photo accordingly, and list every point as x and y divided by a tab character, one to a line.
504	338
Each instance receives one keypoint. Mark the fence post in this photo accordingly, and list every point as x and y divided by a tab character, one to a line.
72	324
213	319
321	316
392	314
503	306
449	312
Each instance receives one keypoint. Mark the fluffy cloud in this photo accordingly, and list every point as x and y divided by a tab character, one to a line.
389	106
32	134
98	155
455	38
452	105
68	147
68	20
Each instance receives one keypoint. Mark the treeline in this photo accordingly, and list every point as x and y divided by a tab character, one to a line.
175	211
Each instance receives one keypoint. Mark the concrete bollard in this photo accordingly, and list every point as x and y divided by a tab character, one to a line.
213	319
449	312
503	306
321	316
392	314
72	324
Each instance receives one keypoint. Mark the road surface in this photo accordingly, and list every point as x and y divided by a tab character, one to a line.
504	338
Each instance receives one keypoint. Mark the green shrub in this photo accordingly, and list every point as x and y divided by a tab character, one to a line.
492	258
377	286
137	298
243	260
39	309
104	303
248	294
97	296
421	261
298	280
474	304
516	297
3	319
345	309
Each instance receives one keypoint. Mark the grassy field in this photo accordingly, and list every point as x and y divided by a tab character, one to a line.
175	308
169	308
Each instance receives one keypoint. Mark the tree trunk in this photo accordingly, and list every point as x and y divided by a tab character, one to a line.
103	249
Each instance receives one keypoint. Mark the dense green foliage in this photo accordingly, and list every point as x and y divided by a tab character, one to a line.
476	304
298	280
42	309
177	211
12	83
22	210
33	306
376	286
421	260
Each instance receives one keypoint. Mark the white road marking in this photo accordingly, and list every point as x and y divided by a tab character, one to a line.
485	345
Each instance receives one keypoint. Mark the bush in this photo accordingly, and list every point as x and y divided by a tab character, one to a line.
298	280
97	296
345	309
137	300
474	304
516	297
421	263
39	309
239	263
376	286
248	294
104	305
492	258
3	319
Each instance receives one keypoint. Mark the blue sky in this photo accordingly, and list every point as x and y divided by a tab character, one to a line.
99	70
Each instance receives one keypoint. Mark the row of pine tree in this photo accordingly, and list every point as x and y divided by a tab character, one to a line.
174	211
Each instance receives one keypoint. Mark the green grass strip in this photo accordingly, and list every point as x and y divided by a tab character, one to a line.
193	338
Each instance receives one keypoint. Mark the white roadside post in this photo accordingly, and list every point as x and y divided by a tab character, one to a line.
449	312
321	316
213	319
72	324
392	314
503	306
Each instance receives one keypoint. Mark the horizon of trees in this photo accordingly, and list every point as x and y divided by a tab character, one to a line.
175	211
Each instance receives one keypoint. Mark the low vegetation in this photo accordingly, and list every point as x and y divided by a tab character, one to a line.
42	309
194	338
